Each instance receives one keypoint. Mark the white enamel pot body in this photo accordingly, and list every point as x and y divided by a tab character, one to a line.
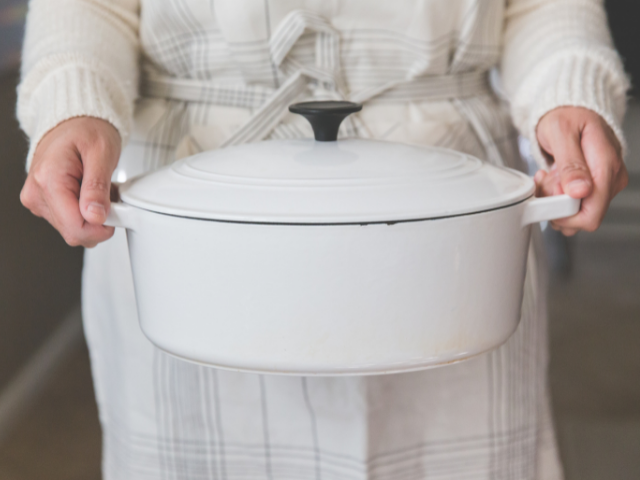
332	299
330	257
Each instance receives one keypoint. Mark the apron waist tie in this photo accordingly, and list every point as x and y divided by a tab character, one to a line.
428	88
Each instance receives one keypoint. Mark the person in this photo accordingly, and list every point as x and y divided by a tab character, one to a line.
161	79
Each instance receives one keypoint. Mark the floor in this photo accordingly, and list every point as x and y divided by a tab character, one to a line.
594	325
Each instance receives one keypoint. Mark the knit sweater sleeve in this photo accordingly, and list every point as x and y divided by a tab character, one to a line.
80	58
560	53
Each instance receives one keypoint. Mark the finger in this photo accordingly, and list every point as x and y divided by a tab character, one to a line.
98	164
621	181
31	198
566	231
607	171
548	183
62	199
603	150
569	232
573	170
591	212
539	179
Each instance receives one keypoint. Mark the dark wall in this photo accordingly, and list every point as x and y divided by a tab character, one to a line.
624	19
39	273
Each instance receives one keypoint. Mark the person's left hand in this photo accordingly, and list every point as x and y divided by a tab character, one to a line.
586	163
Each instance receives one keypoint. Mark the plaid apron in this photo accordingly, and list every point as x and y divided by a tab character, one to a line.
223	73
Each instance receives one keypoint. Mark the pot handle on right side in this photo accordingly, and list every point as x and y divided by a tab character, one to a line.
550	208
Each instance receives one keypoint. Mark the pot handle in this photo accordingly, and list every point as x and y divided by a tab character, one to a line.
120	215
550	208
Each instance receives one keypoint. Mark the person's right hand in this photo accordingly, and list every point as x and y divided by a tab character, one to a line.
69	181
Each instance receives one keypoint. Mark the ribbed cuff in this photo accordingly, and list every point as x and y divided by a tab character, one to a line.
66	91
587	79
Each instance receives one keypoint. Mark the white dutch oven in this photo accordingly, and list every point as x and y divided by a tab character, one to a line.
330	257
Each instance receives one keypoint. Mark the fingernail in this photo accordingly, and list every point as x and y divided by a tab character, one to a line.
96	208
578	185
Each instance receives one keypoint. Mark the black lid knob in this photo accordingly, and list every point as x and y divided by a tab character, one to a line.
325	117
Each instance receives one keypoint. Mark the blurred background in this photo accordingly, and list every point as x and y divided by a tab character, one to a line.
48	419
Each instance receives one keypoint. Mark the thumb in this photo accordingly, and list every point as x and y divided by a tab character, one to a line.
572	168
98	165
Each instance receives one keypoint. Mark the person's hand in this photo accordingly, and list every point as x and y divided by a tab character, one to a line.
587	164
69	180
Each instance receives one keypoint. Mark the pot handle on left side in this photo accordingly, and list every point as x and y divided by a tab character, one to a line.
550	208
120	215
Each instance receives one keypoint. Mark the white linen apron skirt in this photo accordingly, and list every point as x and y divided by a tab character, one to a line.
222	75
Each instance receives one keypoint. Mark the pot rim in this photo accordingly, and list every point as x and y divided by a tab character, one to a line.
329	224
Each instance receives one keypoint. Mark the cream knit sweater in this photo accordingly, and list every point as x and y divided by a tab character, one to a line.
81	57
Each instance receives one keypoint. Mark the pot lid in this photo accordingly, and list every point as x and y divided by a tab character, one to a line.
321	181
